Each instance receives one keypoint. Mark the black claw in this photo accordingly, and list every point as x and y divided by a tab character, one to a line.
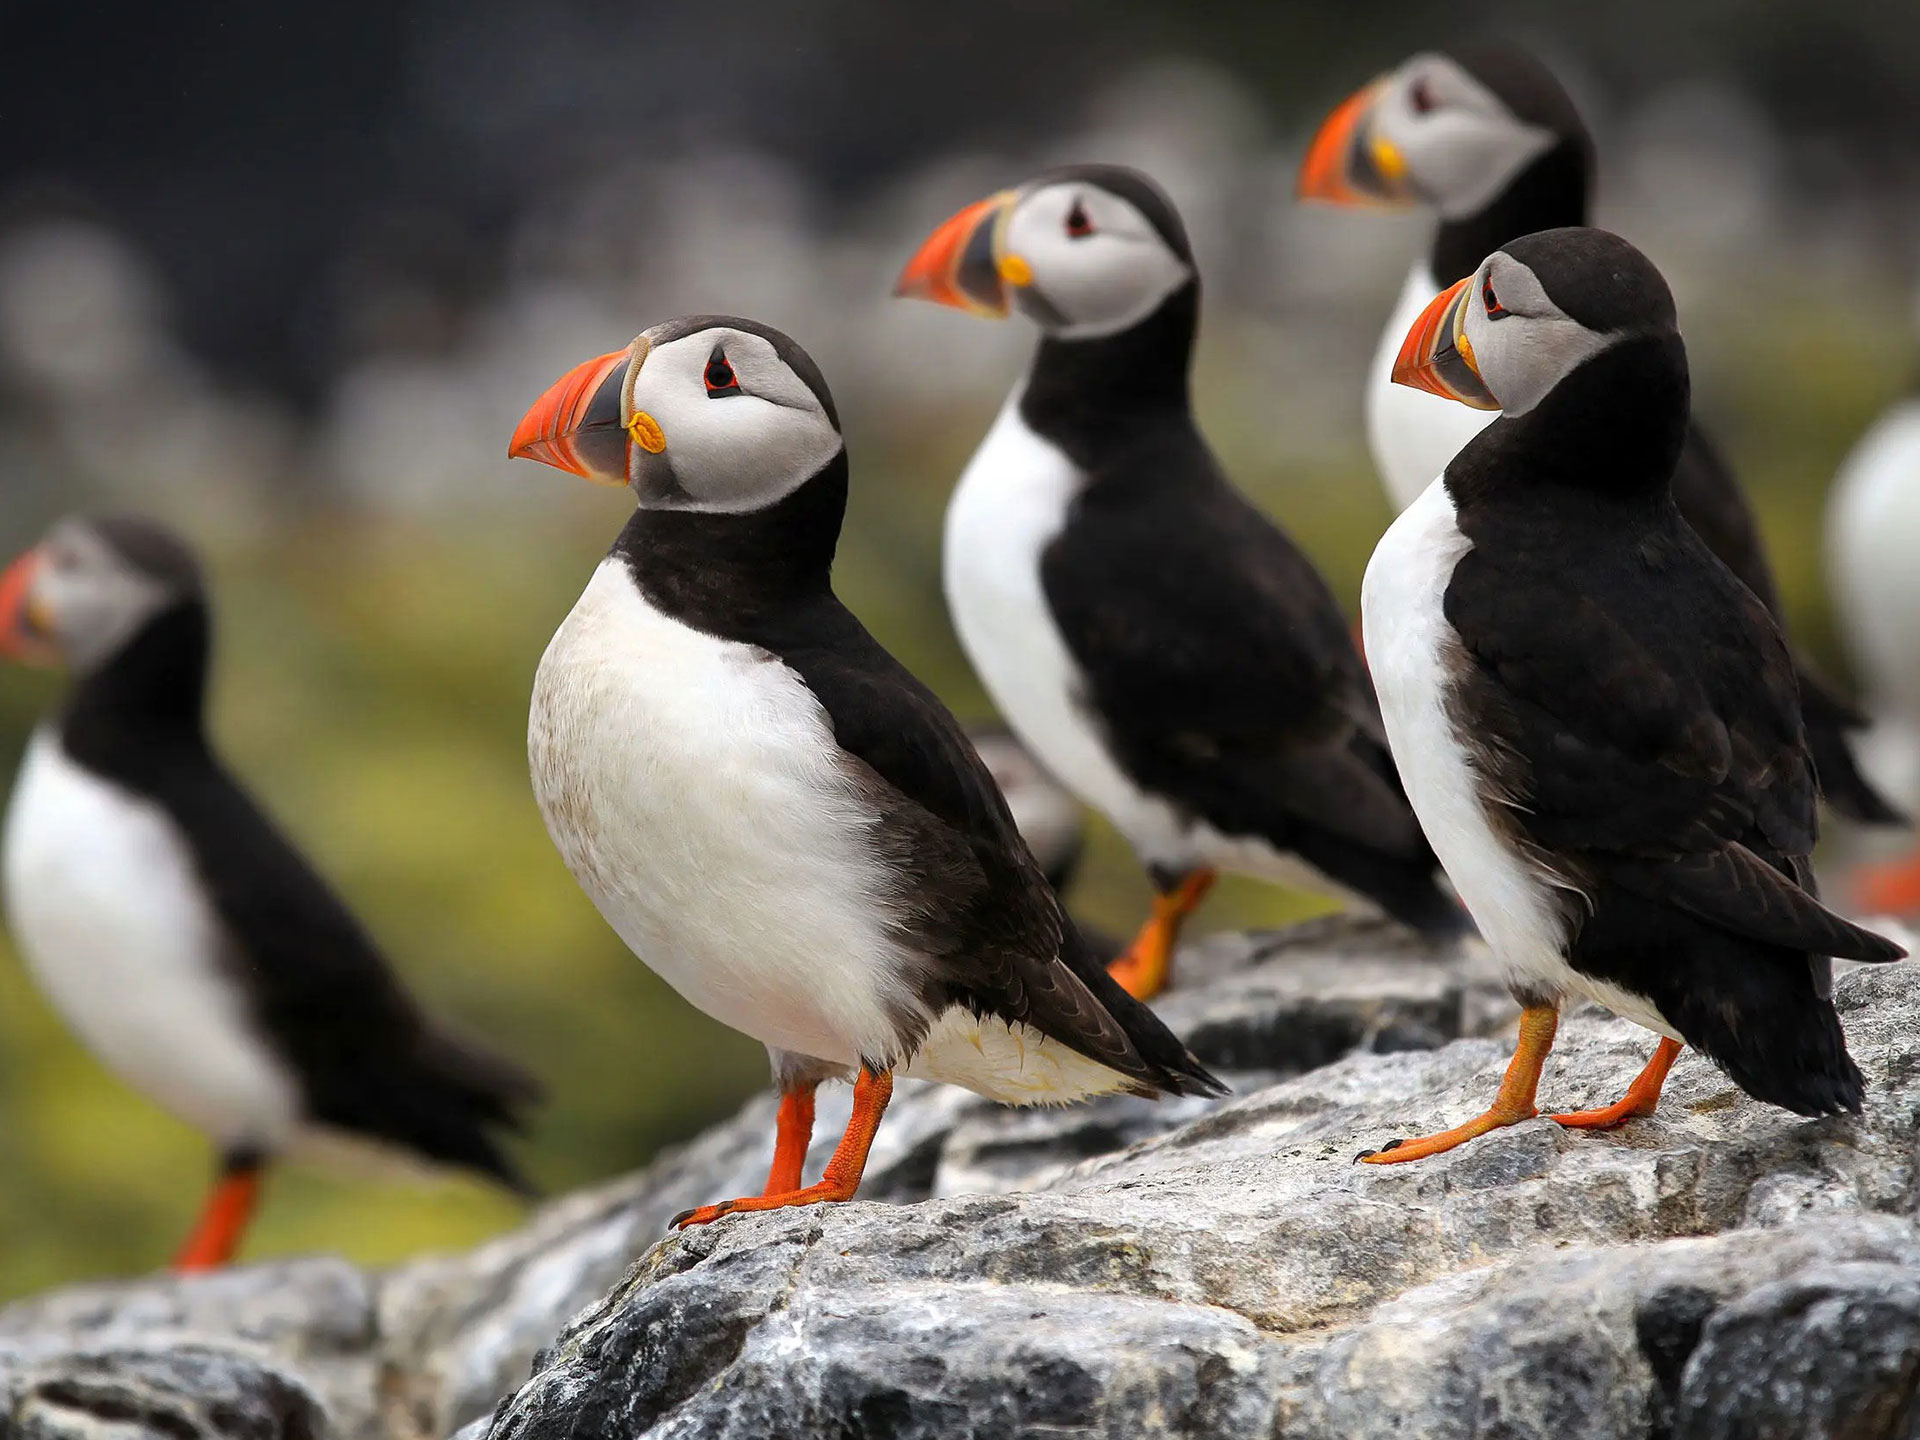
1363	1155
685	1215
1391	1145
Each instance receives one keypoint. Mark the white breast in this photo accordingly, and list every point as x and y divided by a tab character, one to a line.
1009	505
106	907
1873	539
692	785
1407	639
1413	434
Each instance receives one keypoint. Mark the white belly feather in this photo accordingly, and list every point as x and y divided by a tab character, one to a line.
1011	502
1412	434
1407	638
106	907
693	787
1873	535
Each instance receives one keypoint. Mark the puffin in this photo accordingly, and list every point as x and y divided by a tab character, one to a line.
1873	524
172	925
1596	721
1157	642
764	804
1487	137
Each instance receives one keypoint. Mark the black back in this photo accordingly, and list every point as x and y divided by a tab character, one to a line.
323	996
976	903
1634	718
1557	190
1216	661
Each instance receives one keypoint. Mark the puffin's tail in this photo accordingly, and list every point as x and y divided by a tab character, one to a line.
454	1099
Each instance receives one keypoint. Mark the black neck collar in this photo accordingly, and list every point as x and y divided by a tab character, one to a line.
1549	193
1087	396
1612	431
738	575
153	689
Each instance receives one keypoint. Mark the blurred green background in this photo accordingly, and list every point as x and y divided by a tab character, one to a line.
320	394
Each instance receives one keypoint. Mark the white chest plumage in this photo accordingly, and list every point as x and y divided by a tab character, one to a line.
1010	503
107	909
1408	640
694	789
1412	434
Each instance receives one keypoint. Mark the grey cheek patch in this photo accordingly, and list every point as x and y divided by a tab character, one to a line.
654	482
1037	308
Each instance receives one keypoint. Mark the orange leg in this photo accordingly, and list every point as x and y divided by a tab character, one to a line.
871	1093
1144	969
224	1220
791	1138
1513	1104
1641	1097
1892	888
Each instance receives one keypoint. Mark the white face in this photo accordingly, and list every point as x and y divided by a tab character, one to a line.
738	429
1524	352
1096	265
1460	144
87	599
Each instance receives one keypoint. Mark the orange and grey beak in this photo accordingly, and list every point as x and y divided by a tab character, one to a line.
964	263
581	424
1436	355
24	634
1350	163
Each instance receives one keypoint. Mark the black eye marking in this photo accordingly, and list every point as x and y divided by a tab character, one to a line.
720	377
1078	225
1495	310
1421	96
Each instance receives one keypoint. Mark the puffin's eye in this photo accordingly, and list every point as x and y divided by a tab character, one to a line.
720	378
1078	225
1495	310
1420	96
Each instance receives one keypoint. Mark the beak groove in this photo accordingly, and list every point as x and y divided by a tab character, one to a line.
573	424
959	263
1347	165
1436	357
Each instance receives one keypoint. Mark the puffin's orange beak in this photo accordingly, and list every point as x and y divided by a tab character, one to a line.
23	635
1436	356
960	264
1350	163
578	425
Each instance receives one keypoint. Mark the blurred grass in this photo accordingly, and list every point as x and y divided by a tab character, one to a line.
372	683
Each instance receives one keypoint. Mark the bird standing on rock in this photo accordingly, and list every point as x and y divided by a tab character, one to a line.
1596	721
176	930
1486	136
1154	639
765	805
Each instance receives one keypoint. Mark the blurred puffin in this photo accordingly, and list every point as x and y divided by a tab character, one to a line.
1154	639
1597	723
771	812
1488	138
1873	537
176	930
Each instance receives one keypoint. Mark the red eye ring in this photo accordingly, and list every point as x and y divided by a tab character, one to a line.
1078	225
720	377
1495	310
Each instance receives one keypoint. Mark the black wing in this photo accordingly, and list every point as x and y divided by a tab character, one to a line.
984	915
1711	501
1224	676
368	1060
1638	707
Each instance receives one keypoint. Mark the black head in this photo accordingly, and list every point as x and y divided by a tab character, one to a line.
705	413
1454	130
1534	312
91	586
1084	251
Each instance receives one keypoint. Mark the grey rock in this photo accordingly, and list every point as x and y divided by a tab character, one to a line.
1203	1268
173	1392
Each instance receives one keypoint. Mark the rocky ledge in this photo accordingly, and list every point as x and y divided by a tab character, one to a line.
1126	1269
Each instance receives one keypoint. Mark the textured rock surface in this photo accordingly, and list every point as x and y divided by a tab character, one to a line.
1131	1269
